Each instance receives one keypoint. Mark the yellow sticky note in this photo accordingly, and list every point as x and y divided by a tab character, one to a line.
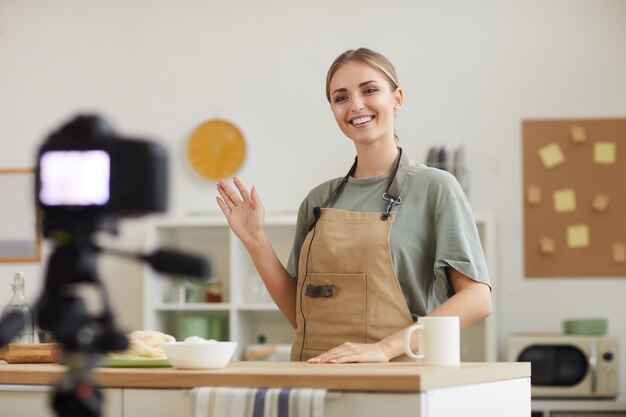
578	236
564	200
604	153
551	155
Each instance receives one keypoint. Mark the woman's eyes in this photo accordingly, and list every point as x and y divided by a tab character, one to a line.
340	99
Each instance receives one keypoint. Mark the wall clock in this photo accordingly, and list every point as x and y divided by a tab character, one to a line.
216	149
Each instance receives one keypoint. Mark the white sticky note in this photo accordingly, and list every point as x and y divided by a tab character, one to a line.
547	246
564	200
551	155
600	202
578	134
533	195
619	253
604	153
578	236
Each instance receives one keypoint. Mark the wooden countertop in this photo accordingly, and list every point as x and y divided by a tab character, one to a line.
396	376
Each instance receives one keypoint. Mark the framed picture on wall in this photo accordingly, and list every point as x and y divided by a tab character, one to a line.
20	238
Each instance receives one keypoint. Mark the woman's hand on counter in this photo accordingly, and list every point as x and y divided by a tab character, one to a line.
383	351
354	352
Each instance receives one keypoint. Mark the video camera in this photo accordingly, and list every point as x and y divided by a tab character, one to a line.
87	178
87	172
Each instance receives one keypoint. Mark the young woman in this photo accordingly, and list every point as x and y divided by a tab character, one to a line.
376	249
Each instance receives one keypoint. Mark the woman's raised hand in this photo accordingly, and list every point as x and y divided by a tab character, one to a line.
243	210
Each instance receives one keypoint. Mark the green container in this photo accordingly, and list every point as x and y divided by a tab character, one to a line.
218	328
586	327
206	327
192	326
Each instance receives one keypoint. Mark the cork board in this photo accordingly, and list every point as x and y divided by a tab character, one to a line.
574	197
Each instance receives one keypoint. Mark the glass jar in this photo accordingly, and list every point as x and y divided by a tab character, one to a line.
18	304
214	291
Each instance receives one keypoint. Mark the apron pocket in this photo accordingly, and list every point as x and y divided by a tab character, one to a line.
338	318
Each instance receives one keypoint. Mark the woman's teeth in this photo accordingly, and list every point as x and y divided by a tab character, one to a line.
361	120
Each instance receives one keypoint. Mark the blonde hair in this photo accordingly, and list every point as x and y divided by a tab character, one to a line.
366	56
375	60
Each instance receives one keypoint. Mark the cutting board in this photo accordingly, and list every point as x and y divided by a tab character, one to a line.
30	353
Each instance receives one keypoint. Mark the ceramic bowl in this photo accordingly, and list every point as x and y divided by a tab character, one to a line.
199	355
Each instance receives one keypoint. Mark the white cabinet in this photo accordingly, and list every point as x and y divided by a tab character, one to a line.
509	398
246	312
35	401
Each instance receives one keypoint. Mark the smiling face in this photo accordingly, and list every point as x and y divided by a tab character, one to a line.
364	102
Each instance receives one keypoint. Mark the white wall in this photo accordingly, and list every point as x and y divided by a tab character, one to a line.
471	72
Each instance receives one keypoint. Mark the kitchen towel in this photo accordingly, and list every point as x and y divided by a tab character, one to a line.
258	402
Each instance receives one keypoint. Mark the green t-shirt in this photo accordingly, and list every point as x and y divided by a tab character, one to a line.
434	229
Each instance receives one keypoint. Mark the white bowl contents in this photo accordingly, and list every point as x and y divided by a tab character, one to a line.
198	353
198	339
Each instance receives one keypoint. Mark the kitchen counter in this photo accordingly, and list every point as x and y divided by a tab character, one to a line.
390	389
379	377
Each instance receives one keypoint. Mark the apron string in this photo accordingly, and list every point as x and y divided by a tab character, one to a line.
316	210
341	183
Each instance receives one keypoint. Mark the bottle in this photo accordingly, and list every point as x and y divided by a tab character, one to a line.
18	303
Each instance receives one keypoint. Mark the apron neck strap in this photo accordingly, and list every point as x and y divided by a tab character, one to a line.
392	195
400	169
398	175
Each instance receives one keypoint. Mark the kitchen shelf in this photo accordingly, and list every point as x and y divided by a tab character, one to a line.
247	310
479	342
578	407
193	307
258	307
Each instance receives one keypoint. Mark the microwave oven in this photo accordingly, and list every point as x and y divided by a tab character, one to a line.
572	366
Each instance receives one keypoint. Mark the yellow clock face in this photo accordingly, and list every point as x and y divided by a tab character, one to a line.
216	149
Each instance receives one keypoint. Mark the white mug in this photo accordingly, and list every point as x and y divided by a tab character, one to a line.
438	343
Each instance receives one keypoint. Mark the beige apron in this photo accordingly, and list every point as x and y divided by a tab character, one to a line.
349	291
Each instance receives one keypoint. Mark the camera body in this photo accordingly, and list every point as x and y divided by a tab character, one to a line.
87	175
